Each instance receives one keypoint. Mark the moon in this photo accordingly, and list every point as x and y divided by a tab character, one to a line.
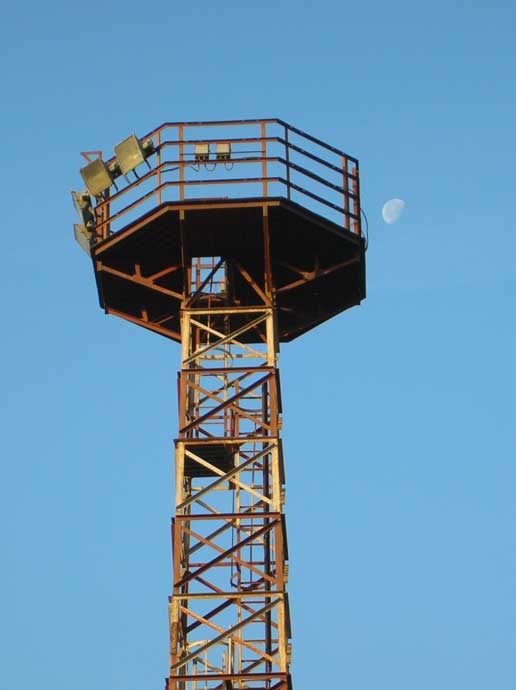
392	210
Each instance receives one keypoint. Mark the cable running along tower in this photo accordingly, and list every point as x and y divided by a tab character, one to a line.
230	238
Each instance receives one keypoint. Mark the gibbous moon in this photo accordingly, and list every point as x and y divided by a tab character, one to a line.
392	210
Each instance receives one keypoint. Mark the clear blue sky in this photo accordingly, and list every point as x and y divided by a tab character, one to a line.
403	566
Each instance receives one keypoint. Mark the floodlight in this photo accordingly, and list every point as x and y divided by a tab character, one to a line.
129	153
148	146
97	176
83	237
202	152
84	207
114	169
223	151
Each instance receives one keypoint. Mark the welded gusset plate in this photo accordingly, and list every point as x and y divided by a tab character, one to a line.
317	269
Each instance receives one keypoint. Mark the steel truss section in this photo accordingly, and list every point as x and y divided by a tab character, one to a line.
229	615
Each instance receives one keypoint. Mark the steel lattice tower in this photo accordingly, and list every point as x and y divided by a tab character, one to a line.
229	277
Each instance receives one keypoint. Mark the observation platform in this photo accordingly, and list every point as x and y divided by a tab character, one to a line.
285	221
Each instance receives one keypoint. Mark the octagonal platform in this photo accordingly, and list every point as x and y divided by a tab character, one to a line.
302	248
318	269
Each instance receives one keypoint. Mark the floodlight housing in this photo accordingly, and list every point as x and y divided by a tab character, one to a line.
148	146
97	176
84	207
82	237
129	154
223	151
202	152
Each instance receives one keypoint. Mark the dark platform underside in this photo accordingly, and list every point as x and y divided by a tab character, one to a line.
219	455
318	268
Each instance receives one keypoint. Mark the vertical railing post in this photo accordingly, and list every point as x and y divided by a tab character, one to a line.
104	214
356	200
181	163
158	176
287	158
345	190
263	134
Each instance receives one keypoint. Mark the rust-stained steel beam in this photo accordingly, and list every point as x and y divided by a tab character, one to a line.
228	610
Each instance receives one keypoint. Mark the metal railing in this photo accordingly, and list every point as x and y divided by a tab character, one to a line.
269	158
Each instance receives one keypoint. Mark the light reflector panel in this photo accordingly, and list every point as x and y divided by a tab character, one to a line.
202	152
83	237
97	176
129	153
84	207
223	151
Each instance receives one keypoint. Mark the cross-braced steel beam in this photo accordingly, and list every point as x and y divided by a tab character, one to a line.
229	616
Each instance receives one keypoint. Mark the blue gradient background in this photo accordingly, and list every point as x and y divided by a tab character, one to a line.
399	415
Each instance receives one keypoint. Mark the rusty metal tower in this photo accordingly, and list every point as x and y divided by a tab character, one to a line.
235	237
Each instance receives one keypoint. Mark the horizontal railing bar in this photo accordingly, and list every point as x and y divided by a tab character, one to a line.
230	140
279	140
273	159
214	123
188	163
318	198
162	167
250	180
324	145
186	183
315	177
222	123
298	149
253	159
